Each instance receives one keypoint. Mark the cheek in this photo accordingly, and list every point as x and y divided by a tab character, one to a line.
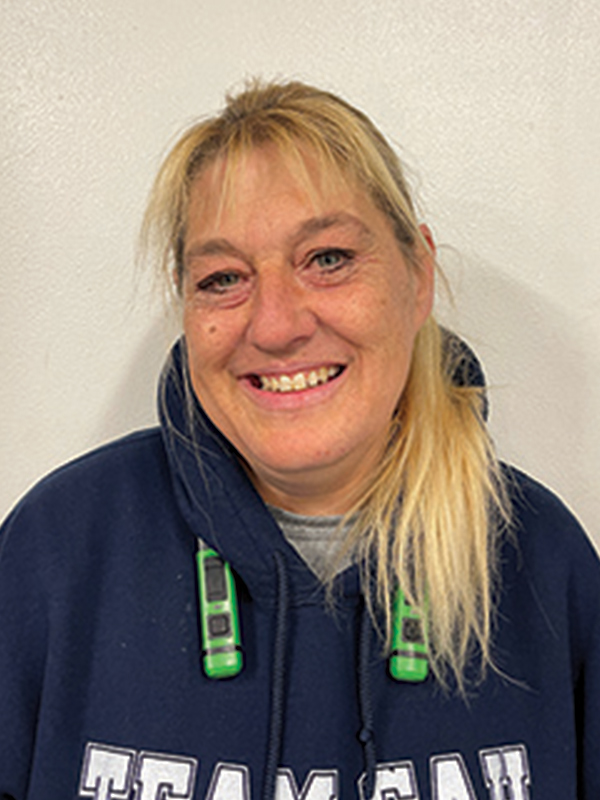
202	342
405	312
211	343
394	332
390	320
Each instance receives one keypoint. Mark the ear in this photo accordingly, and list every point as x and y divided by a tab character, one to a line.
428	237
424	275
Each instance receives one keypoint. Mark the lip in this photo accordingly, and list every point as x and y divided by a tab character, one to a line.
293	400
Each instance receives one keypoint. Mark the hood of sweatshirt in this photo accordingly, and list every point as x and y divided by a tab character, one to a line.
211	483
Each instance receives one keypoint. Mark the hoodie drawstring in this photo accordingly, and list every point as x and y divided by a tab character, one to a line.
278	685
366	735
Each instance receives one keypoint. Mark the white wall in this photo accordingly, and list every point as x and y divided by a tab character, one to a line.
495	104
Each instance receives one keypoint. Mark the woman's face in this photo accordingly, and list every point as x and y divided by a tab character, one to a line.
300	313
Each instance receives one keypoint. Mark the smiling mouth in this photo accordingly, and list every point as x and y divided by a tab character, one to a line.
298	382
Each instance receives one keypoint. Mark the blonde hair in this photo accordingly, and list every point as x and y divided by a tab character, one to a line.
432	518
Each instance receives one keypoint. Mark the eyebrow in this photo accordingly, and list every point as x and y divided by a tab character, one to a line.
310	227
212	247
317	224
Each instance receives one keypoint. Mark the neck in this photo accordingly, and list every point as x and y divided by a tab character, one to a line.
311	495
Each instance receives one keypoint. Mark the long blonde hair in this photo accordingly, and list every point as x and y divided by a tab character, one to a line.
432	517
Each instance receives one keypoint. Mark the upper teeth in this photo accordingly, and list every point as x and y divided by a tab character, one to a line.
298	381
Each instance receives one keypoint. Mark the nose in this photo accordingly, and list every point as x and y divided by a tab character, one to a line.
281	319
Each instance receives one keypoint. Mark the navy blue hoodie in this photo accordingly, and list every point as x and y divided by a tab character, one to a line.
102	694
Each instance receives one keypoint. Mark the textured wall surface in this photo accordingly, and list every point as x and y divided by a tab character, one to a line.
495	107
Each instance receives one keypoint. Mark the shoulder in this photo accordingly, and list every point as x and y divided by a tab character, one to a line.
553	566
98	486
108	463
97	515
543	521
138	445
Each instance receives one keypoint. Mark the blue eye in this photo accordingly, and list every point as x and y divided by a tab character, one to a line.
219	282
331	260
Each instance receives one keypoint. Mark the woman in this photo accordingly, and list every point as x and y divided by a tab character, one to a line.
412	620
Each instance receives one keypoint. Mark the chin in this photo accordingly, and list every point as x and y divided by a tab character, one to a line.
295	461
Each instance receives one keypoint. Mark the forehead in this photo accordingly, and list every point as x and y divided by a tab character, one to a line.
233	184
